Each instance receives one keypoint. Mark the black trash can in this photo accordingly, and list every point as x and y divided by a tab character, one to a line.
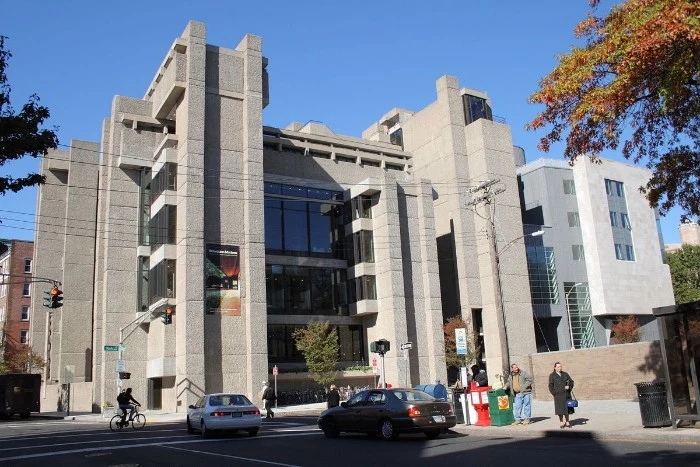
653	404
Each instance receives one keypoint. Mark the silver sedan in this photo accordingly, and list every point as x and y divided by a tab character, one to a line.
223	412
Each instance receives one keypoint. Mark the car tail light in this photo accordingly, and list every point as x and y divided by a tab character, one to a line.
220	414
450	411
414	412
252	412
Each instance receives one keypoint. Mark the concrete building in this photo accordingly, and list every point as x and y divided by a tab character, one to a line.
602	255
247	232
16	268
690	235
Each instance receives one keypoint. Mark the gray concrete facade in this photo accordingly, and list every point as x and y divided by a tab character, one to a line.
188	166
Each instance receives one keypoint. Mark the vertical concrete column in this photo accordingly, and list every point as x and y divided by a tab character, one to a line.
253	251
391	297
434	347
49	245
189	321
79	260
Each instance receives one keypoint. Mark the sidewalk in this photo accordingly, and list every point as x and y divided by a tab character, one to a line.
603	420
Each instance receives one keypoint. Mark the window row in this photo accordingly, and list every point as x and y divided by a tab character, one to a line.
281	347
624	252
614	188
360	247
304	228
161	281
302	192
163	226
569	187
165	179
542	274
294	290
620	219
359	207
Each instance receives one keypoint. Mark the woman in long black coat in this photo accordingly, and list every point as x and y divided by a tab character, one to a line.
560	386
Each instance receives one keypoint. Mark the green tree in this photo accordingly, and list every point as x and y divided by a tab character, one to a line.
21	133
685	273
634	85
318	343
452	358
24	361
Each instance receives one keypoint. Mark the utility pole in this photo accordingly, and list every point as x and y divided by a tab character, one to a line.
487	200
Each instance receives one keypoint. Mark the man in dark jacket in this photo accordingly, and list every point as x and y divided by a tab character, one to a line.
124	399
519	385
268	397
479	376
333	397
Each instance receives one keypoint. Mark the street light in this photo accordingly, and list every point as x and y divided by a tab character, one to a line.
568	313
505	348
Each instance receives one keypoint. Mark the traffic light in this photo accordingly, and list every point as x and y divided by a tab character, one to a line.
56	298
124	375
381	346
168	316
47	298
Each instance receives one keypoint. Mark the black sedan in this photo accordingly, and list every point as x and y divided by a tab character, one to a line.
388	412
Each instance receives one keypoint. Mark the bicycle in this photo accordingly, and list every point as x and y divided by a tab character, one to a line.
120	421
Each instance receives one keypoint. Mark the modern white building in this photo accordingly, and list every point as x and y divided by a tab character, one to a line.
602	255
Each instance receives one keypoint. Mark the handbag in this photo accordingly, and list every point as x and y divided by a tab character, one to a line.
571	403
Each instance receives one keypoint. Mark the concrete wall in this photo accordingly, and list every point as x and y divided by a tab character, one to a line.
55	398
601	373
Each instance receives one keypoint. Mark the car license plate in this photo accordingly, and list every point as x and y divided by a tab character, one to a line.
236	414
439	418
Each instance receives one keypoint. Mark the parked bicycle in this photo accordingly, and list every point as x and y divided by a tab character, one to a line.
120	421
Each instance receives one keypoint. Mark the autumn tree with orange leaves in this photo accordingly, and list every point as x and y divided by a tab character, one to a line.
634	86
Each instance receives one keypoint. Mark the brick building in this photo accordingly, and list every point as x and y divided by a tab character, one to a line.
15	299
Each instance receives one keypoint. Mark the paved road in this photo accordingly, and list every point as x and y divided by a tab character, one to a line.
292	441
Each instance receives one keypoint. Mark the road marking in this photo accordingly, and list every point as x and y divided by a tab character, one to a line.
249	459
141	445
106	440
79	433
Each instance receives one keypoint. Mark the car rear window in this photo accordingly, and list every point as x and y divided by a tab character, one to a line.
412	395
229	399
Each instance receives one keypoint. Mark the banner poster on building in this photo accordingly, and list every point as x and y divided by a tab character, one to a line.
222	267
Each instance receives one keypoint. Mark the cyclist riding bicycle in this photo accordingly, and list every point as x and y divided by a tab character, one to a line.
124	399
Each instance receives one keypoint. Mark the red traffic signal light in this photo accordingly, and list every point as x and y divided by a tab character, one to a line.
56	298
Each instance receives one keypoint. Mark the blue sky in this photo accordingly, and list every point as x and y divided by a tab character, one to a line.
341	63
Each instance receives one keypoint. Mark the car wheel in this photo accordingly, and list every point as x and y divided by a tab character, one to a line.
330	429
387	430
432	434
190	430
203	430
253	432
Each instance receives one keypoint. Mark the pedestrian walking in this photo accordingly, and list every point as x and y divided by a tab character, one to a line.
268	398
333	397
519	384
560	386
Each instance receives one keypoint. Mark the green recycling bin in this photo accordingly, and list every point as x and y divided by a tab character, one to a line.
500	407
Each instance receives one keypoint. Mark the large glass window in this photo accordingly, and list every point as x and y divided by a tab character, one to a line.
542	273
626	221
614	188
305	291
144	290
624	252
359	207
475	108
26	289
281	347
161	280
360	246
165	179
362	288
569	187
27	265
164	226
577	253
303	228
145	207
574	219
614	219
25	313
273	226
396	137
